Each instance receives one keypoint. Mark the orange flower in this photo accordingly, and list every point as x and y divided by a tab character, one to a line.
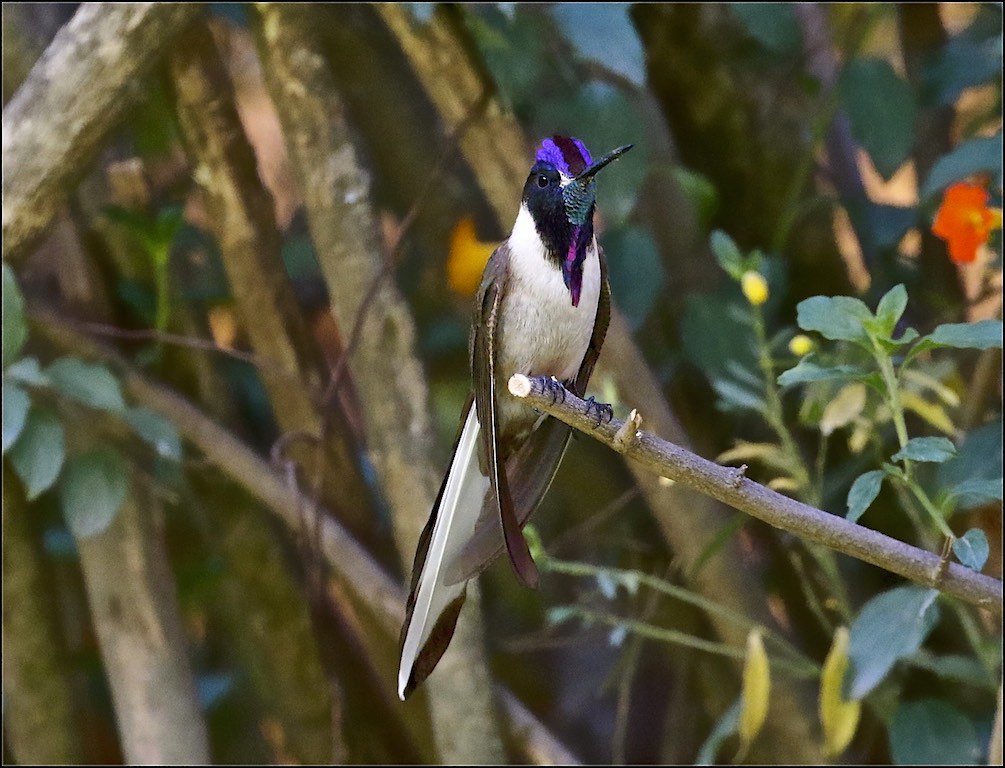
965	221
467	258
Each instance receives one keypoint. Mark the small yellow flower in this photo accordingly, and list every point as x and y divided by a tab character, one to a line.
800	345
754	287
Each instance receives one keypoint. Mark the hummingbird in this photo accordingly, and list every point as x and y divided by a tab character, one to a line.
542	309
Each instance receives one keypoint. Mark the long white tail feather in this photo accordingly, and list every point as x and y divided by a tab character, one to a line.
455	524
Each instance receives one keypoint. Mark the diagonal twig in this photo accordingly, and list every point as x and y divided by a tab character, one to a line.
731	487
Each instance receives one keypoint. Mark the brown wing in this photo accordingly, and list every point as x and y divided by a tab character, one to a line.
483	375
532	468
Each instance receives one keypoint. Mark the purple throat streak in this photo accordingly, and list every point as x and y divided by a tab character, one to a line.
572	266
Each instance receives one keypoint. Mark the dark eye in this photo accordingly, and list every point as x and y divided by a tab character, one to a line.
542	181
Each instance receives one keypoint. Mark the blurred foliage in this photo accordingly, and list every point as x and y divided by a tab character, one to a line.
770	242
37	401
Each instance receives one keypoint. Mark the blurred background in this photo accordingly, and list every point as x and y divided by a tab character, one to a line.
235	356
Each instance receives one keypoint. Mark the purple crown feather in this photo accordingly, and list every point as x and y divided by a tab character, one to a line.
570	156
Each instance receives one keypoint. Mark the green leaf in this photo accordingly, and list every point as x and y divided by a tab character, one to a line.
15	330
91	384
984	334
727	254
975	492
838	318
515	48
734	395
887	224
931	449
715	338
636	270
773	25
807	370
892	470
92	490
142	299
38	454
300	258
889	627
964	61
534	543
605	33
979	457
154	233
157	431
167	224
891	308
972	549
863	492
909	335
960	669
699	191
139	225
888	344
26	371
969	158
881	109
933	732
15	413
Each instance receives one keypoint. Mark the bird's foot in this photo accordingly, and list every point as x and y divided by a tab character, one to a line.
605	412
556	389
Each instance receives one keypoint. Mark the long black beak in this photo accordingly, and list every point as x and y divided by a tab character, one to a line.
610	157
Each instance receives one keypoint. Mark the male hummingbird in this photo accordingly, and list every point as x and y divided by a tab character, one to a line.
542	310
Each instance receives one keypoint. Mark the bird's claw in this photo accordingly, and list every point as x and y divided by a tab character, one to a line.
556	389
605	412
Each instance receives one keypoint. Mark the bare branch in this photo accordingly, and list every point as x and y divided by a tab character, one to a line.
73	97
163	337
730	487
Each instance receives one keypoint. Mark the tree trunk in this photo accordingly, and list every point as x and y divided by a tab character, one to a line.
73	97
131	591
390	378
39	716
241	213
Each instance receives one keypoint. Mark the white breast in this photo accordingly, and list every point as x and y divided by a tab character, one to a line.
542	333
